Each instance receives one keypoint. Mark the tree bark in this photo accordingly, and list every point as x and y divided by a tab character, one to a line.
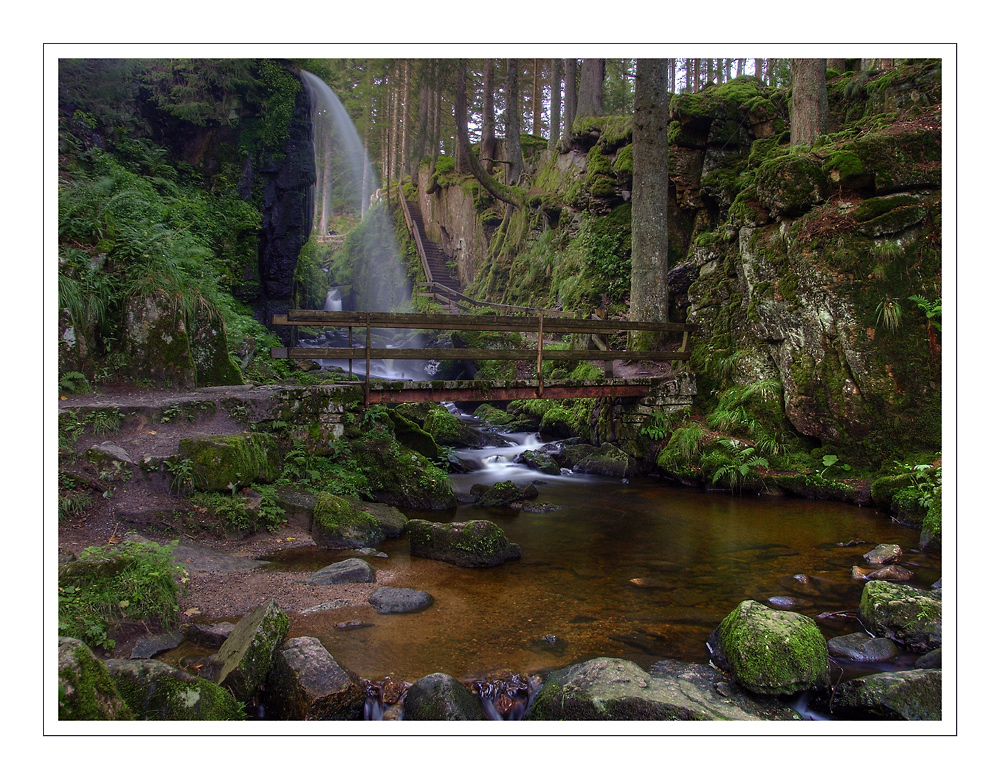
555	102
507	194
650	299
758	69
536	99
591	85
570	103
512	123
838	65
810	110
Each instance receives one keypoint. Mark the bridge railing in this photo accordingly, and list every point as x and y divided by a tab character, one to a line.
540	325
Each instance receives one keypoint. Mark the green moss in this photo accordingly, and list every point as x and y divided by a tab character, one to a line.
228	462
86	689
337	524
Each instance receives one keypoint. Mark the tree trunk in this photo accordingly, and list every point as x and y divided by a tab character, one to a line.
758	69
435	124
512	123
810	111
536	99
591	85
555	102
741	65
488	147
838	65
570	103
650	181
507	194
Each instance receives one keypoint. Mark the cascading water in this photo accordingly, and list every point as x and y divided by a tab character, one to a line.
345	174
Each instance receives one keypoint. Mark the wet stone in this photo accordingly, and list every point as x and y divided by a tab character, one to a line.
862	648
210	635
348	571
397	600
782	602
884	553
150	646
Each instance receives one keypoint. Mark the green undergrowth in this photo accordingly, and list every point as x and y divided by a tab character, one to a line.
109	586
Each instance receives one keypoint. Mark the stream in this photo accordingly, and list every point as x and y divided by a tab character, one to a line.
640	570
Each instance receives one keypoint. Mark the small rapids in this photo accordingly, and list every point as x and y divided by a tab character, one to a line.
502	698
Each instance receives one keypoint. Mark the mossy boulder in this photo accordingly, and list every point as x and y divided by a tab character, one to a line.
224	462
909	616
336	524
502	494
770	652
244	659
306	683
411	435
476	544
493	416
539	460
349	571
401	477
213	364
156	342
441	697
157	691
913	695
86	690
609	688
606	460
447	430
790	185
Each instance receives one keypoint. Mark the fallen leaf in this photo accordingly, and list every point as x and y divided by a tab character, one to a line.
289	539
152	432
191	612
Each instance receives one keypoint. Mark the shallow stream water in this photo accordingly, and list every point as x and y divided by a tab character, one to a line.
640	570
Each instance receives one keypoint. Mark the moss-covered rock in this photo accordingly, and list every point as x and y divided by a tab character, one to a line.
768	651
306	683
790	185
441	697
336	524
501	494
86	690
448	430
898	695
539	460
410	434
244	659
401	477
156	342
606	460
157	691
909	616
226	462
476	544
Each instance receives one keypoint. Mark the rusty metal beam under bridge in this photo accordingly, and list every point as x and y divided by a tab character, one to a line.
479	391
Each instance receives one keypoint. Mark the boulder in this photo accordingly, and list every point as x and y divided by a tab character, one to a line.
897	695
150	646
337	524
210	635
401	477
348	571
905	614
609	688
441	697
245	657
224	462
86	690
770	652
538	460
399	600
503	494
475	544
390	518
156	342
883	554
157	691
862	648
607	460
306	683
447	430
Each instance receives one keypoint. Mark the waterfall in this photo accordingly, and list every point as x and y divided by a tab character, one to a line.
333	300
345	174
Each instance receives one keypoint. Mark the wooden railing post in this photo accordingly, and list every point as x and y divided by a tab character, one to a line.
368	356
541	381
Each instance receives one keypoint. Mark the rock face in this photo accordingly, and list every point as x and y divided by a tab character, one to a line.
86	689
157	691
770	652
244	660
899	695
441	697
306	683
609	688
908	616
287	211
476	544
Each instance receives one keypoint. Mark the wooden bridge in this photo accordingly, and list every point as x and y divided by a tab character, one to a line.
540	326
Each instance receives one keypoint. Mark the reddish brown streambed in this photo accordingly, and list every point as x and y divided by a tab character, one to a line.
640	570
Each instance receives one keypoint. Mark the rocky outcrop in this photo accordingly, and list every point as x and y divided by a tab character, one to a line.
401	477
224	463
476	544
